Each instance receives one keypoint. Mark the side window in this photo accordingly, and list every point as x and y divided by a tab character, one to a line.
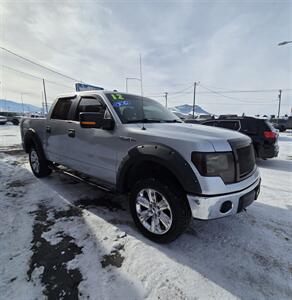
234	125
62	109
90	104
211	123
249	125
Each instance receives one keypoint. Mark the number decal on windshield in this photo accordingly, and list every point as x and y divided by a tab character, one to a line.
117	97
120	103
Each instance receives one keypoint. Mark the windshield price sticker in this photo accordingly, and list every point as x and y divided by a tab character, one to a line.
121	103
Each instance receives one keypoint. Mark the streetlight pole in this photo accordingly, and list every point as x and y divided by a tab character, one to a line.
131	78
21	97
45	95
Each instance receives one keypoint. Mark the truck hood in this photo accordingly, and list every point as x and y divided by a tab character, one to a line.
202	135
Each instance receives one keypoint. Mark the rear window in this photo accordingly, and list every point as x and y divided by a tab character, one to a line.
233	125
62	109
211	123
269	125
250	125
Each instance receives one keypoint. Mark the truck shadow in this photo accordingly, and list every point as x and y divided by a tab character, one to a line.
234	253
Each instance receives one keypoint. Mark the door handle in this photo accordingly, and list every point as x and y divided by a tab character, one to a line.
48	129
71	133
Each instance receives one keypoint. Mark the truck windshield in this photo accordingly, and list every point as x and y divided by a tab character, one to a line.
131	109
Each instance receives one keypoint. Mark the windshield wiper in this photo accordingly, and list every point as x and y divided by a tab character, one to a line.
145	121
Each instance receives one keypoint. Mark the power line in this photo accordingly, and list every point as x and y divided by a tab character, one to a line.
173	93
37	77
227	92
222	95
39	64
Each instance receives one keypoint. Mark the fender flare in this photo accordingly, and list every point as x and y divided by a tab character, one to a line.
32	137
164	156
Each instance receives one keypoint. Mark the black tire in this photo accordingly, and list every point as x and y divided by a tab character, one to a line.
43	170
282	129
180	210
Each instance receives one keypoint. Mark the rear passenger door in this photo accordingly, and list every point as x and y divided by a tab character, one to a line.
57	130
229	124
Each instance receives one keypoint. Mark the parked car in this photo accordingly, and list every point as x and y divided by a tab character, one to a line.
15	120
282	123
3	120
172	171
261	131
199	119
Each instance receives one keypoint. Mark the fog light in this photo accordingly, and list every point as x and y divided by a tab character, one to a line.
226	207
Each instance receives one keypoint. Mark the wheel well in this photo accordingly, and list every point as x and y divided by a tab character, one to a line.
30	140
149	169
28	143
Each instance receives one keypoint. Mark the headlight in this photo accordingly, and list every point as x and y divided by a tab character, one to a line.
215	164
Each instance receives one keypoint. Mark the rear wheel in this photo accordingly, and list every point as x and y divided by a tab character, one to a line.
38	163
159	210
15	122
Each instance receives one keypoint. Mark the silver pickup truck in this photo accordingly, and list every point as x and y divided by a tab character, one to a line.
171	170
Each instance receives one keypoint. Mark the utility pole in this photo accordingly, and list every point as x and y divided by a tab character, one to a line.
165	95
45	95
194	102
43	104
279	107
21	96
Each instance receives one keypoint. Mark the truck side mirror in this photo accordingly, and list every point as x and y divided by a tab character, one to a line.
108	124
95	120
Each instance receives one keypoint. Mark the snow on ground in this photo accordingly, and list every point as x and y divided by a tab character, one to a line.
61	238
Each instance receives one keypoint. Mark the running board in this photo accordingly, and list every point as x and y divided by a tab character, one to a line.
58	170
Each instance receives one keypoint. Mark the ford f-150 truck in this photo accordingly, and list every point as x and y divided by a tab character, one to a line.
171	170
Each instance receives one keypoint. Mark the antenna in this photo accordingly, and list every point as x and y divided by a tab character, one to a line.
141	83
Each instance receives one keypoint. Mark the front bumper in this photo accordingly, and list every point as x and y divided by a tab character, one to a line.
213	207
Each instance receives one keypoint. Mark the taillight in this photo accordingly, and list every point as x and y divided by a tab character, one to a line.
270	134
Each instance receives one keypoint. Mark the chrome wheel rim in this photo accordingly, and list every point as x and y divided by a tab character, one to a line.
153	211
34	161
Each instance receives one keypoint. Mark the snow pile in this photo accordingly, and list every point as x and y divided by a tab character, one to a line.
59	226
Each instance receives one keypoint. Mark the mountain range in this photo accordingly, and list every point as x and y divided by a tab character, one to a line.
12	106
187	109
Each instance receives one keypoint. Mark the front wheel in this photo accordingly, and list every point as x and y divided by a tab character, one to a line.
38	163
159	210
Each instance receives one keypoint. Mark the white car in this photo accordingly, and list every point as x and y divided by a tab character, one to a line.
3	120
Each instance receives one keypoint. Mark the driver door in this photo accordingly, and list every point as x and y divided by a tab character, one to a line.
92	150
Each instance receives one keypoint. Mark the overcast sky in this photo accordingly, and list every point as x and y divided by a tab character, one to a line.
226	45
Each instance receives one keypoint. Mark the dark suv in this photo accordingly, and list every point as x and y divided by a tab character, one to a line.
261	131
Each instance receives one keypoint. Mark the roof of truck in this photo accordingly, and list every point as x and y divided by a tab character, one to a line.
92	92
